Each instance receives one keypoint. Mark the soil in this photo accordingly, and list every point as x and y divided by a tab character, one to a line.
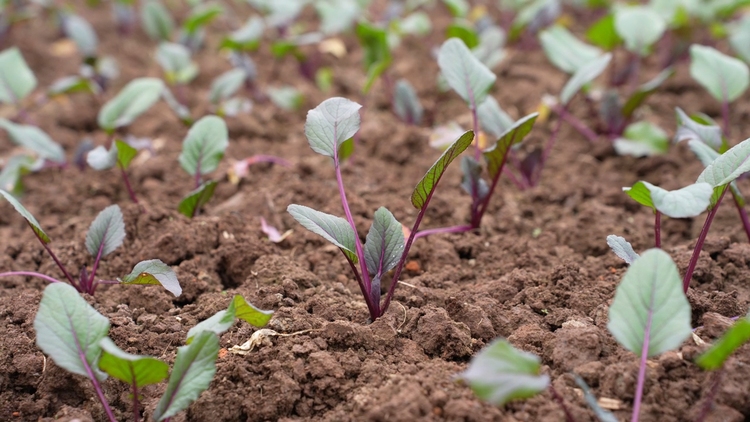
538	273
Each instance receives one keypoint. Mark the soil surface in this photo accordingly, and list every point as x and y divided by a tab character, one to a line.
539	271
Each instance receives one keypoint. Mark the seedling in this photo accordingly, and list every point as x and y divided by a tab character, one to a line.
105	234
156	21
192	33
223	89
74	335
179	69
406	104
327	128
96	71
120	155
246	38
202	150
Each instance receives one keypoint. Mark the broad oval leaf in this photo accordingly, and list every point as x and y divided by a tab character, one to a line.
154	272
650	307
496	155
194	368
424	189
642	139
106	232
500	373
583	76
330	124
67	329
82	33
724	77
688	129
34	139
16	78
464	73
689	201
622	248
132	101
204	145
737	335
226	85
406	104
728	166
156	21
384	244
333	229
133	369
565	51
494	121
196	199
26	215
639	27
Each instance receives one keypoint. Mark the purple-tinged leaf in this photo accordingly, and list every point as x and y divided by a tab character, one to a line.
424	189
406	103
383	247
331	228
154	272
106	232
330	124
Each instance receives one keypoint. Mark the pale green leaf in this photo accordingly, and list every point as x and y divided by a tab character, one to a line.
106	232
15	167
286	97
82	33
194	368
330	124
500	373
68	330
490	49
565	51
642	139
583	76
639	27
728	166
622	248
493	119
154	272
35	140
204	145
226	85
26	215
497	154
724	77
157	21
706	155
16	78
644	91
200	16
689	201
406	104
132	101
132	369
464	73
331	228
649	306
175	60
688	130
247	37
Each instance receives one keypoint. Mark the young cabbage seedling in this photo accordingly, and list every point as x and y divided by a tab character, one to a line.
328	126
74	335
105	234
202	150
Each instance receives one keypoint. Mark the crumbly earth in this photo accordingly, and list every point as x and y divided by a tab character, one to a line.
538	273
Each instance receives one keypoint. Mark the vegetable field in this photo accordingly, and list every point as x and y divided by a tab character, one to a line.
374	210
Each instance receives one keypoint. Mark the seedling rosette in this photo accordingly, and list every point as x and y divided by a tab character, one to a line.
202	150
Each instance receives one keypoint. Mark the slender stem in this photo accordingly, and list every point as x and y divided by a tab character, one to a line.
452	229
110	139
30	274
743	214
725	117
657	229
90	282
475	122
699	244
561	401
136	411
714	389
642	366
93	379
197	179
54	258
521	184
476	220
365	291
127	185
577	124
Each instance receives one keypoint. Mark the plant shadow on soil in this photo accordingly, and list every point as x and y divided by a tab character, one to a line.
548	294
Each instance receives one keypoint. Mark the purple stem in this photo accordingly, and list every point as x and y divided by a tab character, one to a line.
136	412
452	229
575	123
91	376
54	258
90	282
743	215
559	399
402	261
708	404
725	117
31	274
365	291
657	229
520	184
644	357
125	179
699	243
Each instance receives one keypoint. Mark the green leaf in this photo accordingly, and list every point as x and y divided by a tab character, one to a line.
493	119
330	124
565	51
157	21
377	53
337	16
175	60
247	37
417	23
603	33
125	153
724	77
739	38
154	272
689	201
706	155
650	307
639	27
16	78
80	31
622	248
737	335
196	199
286	97
34	139
71	85
106	232
458	8
728	166
331	228
689	129
26	215
201	16
15	167
406	104
121	154
464	73
132	369
204	145
134	99
583	76
68	329
490	50
223	320
463	30
383	247
424	189
193	370
496	155
226	85
642	139
500	373
644	91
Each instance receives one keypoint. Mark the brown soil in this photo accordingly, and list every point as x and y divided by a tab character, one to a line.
539	273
